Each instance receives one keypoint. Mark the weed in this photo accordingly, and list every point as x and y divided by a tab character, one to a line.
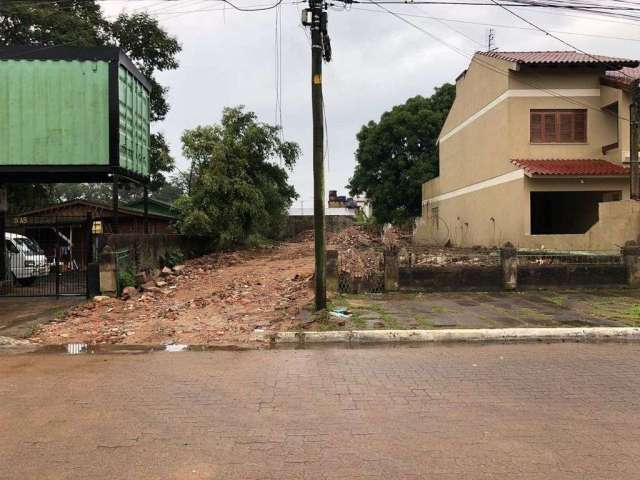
357	321
423	321
558	300
439	309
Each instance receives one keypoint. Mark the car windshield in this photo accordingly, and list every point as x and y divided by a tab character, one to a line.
28	245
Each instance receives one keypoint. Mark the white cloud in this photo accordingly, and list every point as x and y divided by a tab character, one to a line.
228	59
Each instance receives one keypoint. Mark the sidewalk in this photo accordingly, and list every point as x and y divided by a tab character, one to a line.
536	309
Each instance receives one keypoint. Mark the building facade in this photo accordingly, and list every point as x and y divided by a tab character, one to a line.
533	152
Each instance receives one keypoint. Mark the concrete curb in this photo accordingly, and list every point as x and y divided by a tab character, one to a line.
488	335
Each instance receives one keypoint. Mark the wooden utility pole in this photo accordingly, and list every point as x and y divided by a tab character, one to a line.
634	137
316	18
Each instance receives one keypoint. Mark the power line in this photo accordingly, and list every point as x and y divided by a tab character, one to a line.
555	36
499	25
474	58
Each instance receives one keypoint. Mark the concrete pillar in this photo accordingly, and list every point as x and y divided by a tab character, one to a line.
631	256
391	269
509	262
332	270
108	272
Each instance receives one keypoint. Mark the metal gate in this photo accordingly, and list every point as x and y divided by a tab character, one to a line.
46	256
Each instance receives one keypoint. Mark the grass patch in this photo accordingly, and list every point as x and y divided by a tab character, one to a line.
387	318
439	309
357	321
558	300
423	321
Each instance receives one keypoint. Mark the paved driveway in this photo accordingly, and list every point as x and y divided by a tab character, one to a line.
563	411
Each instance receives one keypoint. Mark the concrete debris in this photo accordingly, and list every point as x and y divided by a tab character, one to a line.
166	271
216	298
129	293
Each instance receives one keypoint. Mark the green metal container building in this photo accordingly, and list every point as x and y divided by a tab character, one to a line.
70	114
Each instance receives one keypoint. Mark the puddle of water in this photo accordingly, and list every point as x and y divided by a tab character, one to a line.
176	347
77	348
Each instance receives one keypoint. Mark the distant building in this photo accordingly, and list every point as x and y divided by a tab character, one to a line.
359	203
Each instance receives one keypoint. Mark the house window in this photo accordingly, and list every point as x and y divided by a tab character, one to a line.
558	126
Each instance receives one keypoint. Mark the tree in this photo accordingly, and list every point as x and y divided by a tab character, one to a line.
81	23
239	193
398	154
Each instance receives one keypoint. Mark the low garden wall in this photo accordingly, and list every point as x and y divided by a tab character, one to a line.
449	278
509	270
589	275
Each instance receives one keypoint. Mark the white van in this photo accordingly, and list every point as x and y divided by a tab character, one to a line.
25	258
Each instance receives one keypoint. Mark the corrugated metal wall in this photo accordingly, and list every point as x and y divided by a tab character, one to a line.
54	112
134	124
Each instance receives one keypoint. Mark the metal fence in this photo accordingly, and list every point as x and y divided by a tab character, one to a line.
46	256
361	272
123	269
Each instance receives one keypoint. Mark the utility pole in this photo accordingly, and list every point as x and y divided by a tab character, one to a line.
316	18
634	137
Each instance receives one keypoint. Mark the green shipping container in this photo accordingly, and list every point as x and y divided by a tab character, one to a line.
72	114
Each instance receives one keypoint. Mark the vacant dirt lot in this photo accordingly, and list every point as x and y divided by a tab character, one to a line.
223	298
219	298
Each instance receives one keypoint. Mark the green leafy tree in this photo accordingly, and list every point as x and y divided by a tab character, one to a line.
239	192
396	155
82	23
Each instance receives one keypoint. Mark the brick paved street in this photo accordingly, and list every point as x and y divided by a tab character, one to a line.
563	411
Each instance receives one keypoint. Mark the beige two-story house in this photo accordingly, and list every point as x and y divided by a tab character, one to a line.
534	151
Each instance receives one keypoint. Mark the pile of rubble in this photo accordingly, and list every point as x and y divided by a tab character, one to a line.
359	252
354	238
217	298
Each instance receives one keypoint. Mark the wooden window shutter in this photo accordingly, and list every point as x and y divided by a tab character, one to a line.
535	128
558	126
549	127
565	127
580	126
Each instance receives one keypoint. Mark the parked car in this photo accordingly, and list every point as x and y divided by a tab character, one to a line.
25	258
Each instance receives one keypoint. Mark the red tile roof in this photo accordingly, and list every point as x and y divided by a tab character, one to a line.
588	167
624	76
562	57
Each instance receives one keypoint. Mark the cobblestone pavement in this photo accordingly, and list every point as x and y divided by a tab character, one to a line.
560	411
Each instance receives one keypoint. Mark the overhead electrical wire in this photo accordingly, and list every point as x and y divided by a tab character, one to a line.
564	42
474	58
498	25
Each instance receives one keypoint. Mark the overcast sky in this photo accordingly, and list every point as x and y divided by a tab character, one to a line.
228	59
